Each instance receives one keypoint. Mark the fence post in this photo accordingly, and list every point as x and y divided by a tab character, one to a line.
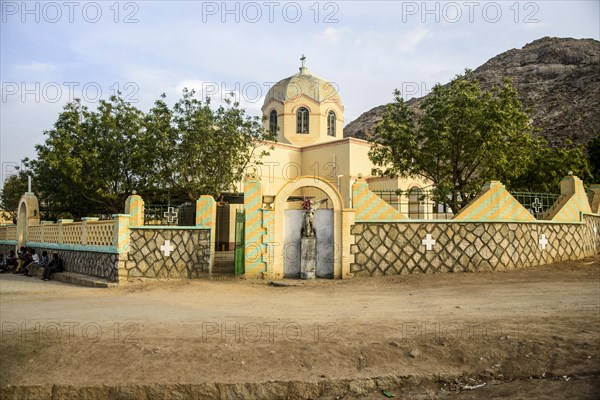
84	223
121	232
60	227
134	206
206	216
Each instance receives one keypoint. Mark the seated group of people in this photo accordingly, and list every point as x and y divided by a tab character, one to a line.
24	261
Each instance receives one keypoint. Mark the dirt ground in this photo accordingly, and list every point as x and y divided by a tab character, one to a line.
523	334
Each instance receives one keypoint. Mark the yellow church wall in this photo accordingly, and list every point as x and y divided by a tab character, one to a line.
339	162
284	163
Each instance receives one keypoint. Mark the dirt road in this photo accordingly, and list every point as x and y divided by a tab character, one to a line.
532	333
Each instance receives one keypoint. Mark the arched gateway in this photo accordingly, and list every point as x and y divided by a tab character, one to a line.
280	227
28	215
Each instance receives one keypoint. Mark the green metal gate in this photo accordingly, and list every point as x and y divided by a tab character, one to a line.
240	220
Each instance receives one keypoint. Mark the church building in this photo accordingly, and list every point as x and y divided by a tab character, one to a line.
307	114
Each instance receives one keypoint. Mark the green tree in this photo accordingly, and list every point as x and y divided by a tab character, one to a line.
201	150
594	158
463	137
92	160
549	166
14	187
89	161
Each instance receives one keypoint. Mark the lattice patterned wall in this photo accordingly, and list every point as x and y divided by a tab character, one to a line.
50	233
99	233
71	233
11	232
36	233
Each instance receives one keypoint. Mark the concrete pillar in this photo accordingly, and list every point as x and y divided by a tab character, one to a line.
60	227
206	217
84	222
348	219
121	232
134	206
253	235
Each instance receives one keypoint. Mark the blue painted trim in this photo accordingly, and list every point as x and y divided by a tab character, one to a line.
74	247
168	227
9	242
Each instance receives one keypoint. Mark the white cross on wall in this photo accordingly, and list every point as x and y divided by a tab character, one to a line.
428	242
171	214
543	242
167	248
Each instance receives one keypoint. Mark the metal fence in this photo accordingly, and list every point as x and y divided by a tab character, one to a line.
536	203
590	195
426	204
168	214
421	203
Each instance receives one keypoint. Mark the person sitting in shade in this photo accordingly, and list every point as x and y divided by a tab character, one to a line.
11	261
24	257
56	265
42	262
2	264
35	258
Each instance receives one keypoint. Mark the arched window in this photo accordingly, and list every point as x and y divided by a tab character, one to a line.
273	122
331	123
302	120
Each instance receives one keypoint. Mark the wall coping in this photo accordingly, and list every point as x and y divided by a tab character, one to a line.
169	227
74	247
472	221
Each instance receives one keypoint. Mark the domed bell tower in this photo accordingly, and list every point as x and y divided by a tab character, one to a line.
304	109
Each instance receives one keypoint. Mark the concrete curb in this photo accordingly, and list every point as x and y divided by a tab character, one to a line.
74	278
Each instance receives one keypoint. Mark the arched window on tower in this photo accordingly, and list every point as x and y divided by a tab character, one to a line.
273	122
331	123
302	120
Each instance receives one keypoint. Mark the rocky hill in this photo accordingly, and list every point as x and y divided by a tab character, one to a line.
558	79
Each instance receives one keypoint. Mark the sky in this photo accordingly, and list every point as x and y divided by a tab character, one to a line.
54	51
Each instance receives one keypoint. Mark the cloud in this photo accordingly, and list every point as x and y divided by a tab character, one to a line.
332	35
410	40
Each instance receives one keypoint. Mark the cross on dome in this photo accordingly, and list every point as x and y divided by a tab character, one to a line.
303	69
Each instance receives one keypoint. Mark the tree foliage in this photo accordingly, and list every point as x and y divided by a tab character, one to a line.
14	187
463	137
594	157
549	166
92	160
204	151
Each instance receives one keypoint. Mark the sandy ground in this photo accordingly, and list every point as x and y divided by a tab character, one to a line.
530	333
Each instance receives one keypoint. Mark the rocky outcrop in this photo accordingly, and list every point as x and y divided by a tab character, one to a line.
558	80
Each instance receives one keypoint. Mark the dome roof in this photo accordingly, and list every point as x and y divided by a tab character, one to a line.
303	83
